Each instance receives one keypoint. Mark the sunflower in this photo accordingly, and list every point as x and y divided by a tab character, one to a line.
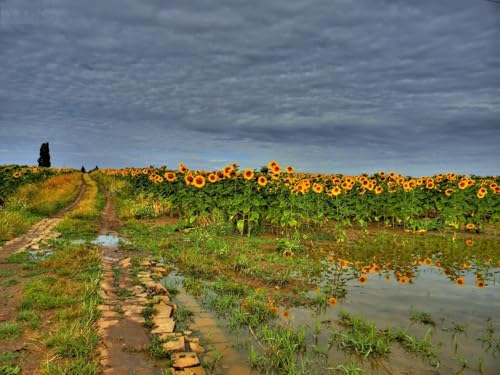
276	169
274	309
272	164
379	190
332	301
199	181
170	176
16	174
362	279
448	192
429	184
469	242
285	314
459	281
317	188
228	171
462	184
262	181
248	174
188	179
481	193
470	226
480	283
182	168
212	177
289	169
336	191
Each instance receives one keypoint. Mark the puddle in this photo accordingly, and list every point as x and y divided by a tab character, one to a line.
383	279
108	240
212	333
39	254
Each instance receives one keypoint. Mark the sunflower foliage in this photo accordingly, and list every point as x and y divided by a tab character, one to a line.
284	202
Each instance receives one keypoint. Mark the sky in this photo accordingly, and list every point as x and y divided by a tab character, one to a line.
335	86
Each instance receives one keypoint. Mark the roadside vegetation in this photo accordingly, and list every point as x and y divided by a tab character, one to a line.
33	201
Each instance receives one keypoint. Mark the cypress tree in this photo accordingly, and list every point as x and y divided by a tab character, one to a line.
44	159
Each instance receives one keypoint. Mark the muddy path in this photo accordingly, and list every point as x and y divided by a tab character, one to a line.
125	344
40	231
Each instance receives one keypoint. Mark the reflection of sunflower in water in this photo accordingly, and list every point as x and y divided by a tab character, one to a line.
317	188
248	174
16	174
403	280
470	226
459	281
362	279
332	301
262	181
212	177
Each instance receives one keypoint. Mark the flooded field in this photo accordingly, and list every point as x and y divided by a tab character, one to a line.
387	303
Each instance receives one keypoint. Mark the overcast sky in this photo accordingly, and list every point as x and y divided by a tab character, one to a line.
334	86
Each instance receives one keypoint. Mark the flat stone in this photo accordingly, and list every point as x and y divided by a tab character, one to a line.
166	325
176	345
132	309
196	347
198	370
163	311
137	289
110	315
104	324
137	319
185	359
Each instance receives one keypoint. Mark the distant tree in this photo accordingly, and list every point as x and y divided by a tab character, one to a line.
44	159
264	169
83	169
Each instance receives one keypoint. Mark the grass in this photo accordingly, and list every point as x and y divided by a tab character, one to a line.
30	317
360	337
31	202
8	362
421	347
282	346
422	317
10	330
91	203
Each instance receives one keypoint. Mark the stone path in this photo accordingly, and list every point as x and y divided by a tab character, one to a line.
125	339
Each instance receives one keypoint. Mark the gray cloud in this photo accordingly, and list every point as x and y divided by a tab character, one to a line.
323	85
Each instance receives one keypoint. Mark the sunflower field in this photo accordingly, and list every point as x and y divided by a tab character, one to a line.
282	198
